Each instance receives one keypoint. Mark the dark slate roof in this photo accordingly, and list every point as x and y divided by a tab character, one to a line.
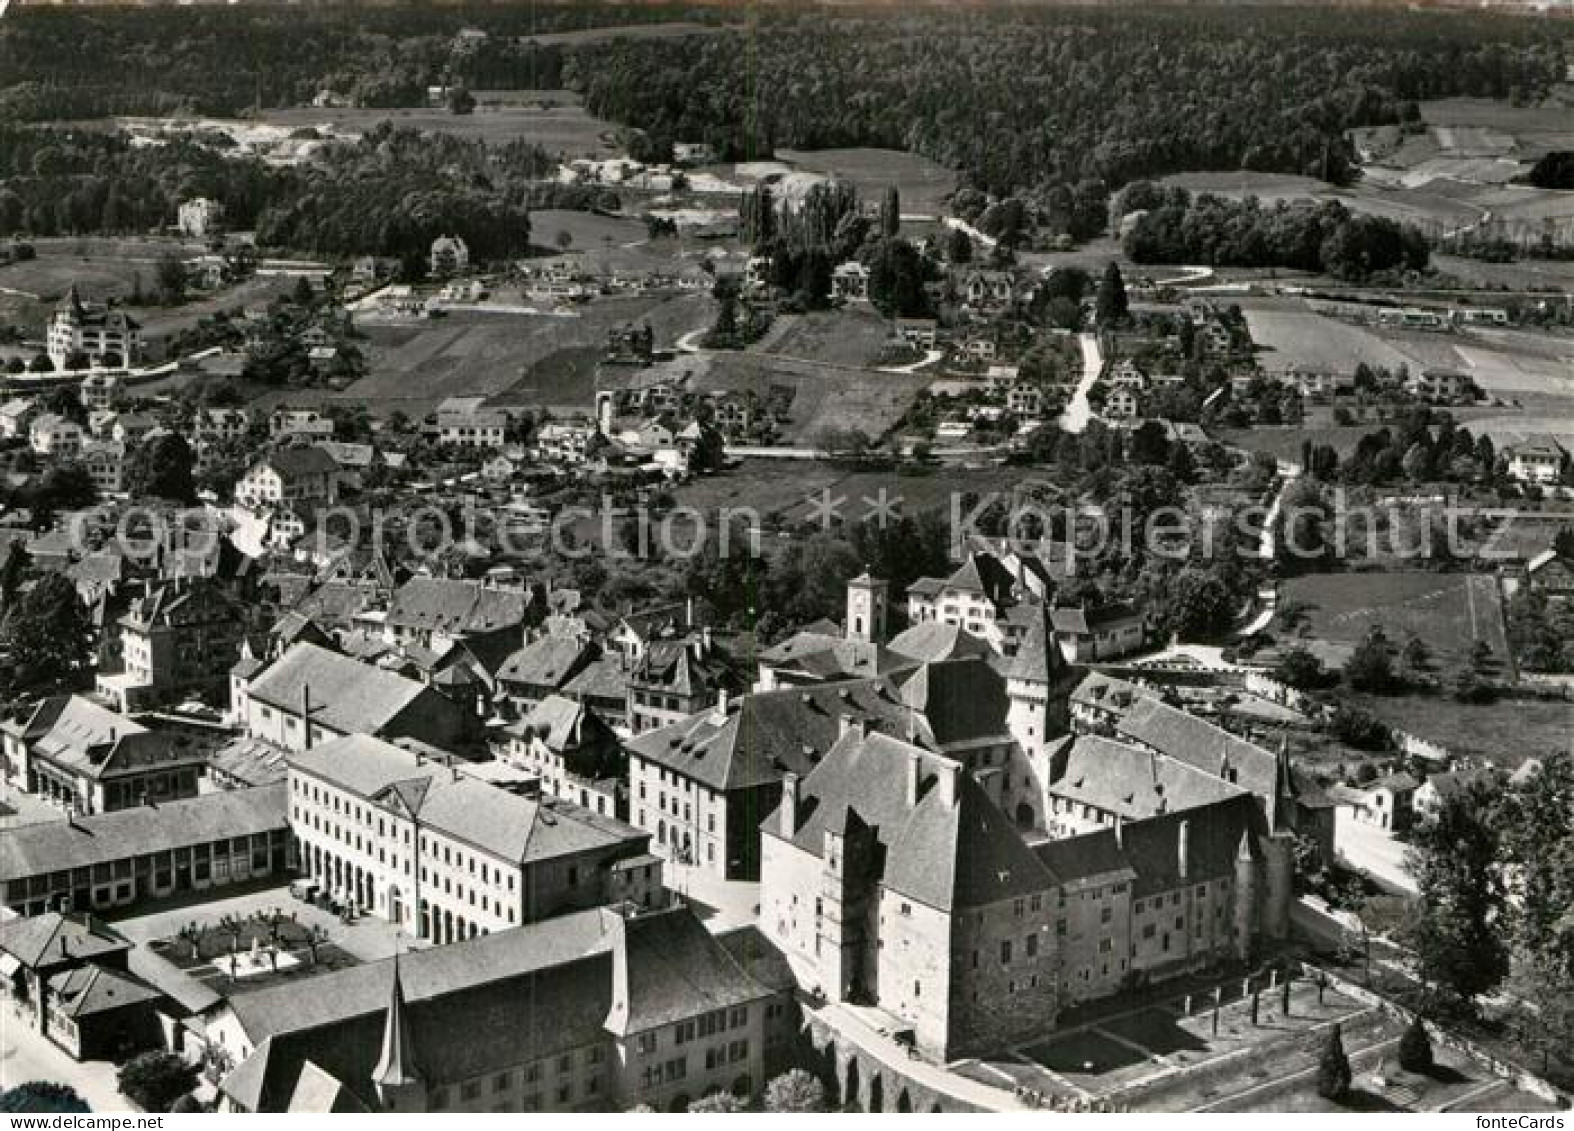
1131	782
49	939
962	854
483	1005
456	608
347	696
87	990
549	662
936	640
503	824
1199	743
1082	620
35	850
297	463
1093	855
962	700
1214	837
674	969
1038	659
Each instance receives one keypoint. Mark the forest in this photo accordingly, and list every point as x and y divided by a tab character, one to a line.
1028	100
1172	226
390	193
73	63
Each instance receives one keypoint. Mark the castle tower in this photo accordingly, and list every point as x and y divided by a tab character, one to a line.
399	1086
1039	684
1279	851
1247	893
867	601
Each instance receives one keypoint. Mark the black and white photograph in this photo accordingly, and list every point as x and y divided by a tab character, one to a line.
787	556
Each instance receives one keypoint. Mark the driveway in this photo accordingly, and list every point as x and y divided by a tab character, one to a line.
26	1055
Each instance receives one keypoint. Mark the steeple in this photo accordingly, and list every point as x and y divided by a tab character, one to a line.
71	303
399	1085
1038	659
1283	790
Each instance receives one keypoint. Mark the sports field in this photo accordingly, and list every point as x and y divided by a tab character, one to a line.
1448	612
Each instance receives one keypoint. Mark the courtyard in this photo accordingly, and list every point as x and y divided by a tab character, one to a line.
1199	1053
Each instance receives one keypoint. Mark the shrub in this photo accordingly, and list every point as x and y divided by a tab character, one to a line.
155	1080
1333	1068
1415	1048
795	1091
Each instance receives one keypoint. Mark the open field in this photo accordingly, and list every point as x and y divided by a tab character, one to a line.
922	183
586	230
1290	335
1449	612
413	366
1504	733
1410	205
1532	129
824	395
553	119
842	338
675	29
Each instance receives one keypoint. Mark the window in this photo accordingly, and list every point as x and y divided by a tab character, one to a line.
1005	951
1030	944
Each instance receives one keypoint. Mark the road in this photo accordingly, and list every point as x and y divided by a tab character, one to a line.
1079	411
1372	852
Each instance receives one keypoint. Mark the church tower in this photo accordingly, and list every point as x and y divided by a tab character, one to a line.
867	599
399	1086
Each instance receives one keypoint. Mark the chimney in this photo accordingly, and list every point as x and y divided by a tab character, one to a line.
705	638
851	722
1183	850
688	613
789	809
1120	831
950	775
306	716
719	715
914	771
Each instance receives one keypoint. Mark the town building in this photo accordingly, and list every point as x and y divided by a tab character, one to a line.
467	422
602	1010
574	753
55	437
179	639
101	390
290	478
409	836
311	695
196	844
102	335
200	218
449	255
88	759
1540	461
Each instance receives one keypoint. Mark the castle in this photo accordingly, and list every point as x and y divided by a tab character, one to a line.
973	901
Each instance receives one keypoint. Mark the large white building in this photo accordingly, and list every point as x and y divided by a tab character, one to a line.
410	836
95	332
200	218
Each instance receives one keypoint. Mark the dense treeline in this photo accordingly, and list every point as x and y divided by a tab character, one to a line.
1022	100
1172	226
390	193
64	63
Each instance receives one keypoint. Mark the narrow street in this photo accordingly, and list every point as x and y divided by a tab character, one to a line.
26	1055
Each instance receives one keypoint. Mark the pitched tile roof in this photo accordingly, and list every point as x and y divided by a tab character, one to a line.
1199	743
347	696
1134	783
510	827
456	607
52	938
38	850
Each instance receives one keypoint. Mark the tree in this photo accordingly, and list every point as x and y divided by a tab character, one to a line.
718	1103
958	246
169	276
890	213
49	637
162	469
795	1092
1299	669
42	1096
1197	605
1415	1047
1333	1068
155	1080
1459	938
460	101
1111	304
1371	665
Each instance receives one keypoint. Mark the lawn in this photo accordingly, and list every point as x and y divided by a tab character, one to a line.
1504	733
1449	612
585	230
922	183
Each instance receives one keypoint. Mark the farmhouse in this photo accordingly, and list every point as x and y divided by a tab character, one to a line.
1537	461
